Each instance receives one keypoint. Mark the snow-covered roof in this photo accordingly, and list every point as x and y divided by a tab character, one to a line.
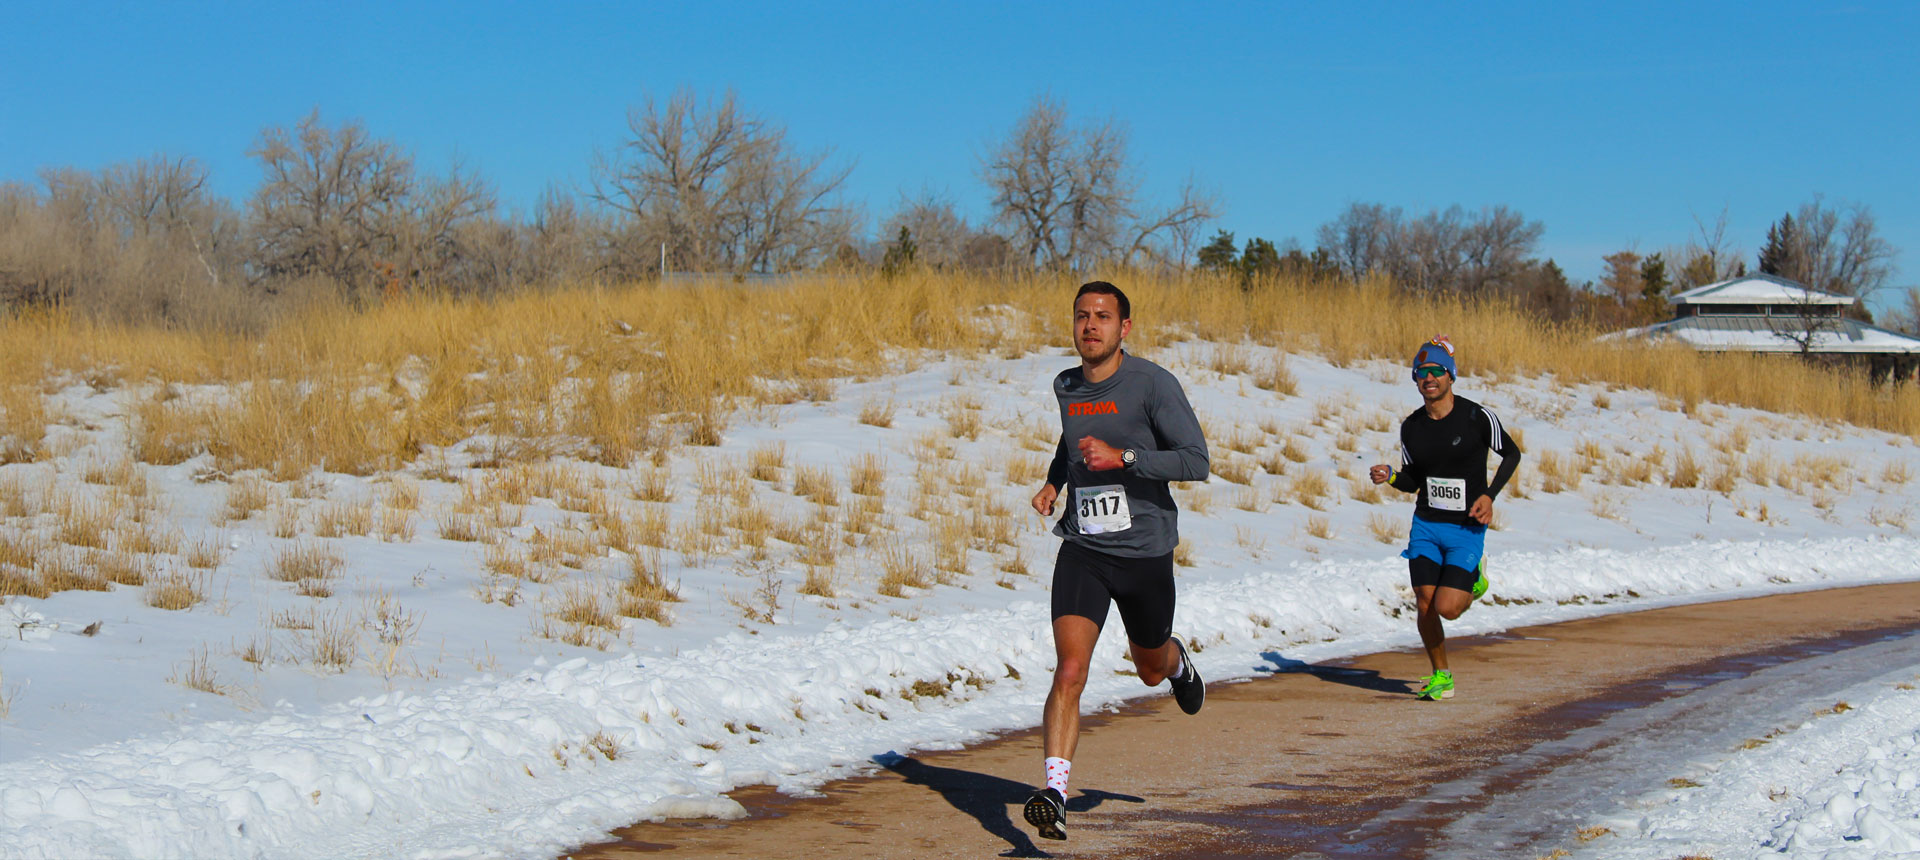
1758	290
1772	334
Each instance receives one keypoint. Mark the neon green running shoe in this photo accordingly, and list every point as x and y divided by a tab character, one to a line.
1439	686
1480	585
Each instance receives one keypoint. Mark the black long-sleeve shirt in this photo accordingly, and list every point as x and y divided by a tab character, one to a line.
1445	460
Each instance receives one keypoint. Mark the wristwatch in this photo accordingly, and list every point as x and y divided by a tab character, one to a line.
1127	457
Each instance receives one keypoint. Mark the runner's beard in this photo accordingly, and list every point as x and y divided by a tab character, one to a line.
1107	347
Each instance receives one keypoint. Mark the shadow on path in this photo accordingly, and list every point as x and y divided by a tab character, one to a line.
1365	679
989	799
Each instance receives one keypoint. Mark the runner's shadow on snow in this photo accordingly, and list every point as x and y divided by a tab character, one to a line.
1365	679
991	800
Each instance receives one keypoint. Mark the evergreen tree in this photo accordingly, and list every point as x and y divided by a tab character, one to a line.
1219	254
900	254
1653	278
1781	256
1259	258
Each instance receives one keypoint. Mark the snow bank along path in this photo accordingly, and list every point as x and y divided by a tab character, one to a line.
533	764
1840	778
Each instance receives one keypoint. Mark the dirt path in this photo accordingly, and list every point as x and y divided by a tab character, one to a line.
1290	765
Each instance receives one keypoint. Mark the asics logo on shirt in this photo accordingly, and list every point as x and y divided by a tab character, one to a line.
1104	407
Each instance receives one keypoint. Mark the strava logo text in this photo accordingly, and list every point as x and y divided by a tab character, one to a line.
1105	407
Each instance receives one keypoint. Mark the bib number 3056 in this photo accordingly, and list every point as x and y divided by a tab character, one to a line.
1447	494
1102	509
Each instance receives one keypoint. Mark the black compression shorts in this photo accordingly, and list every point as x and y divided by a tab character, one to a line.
1426	571
1085	581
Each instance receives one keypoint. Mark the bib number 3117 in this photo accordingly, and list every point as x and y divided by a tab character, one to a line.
1447	494
1102	509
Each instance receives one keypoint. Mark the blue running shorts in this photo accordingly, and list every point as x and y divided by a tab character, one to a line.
1446	543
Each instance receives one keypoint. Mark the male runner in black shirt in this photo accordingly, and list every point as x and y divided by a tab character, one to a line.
1443	447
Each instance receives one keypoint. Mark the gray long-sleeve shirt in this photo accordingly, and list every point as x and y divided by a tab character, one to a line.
1142	407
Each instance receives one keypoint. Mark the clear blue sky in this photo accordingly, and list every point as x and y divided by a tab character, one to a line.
1615	124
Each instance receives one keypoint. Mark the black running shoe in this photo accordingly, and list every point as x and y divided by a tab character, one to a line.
1189	690
1047	812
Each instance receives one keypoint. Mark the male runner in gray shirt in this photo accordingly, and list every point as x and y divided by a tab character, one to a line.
1126	429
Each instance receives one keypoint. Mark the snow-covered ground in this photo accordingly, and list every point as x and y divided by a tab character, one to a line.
1839	776
431	704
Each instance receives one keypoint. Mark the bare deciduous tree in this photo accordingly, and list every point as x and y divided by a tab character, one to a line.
1709	256
939	232
1830	250
1622	277
1065	196
722	189
1361	240
346	205
1442	250
1169	237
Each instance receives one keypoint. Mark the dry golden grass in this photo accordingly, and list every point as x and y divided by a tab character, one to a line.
459	527
1309	488
581	605
362	390
877	413
84	522
402	494
176	590
1251	499
766	462
1686	471
963	418
247	496
1362	489
1229	359
344	518
1558	472
1239	439
17	499
1235	469
1294	450
867	474
653	484
1275	376
901	568
23	423
68	570
1199	501
20	549
504	561
197	674
1761	469
1726	474
121	568
144	537
286	521
1385	528
304	562
205	554
816	483
644	593
396	526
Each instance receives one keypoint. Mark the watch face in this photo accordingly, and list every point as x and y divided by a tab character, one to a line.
1127	456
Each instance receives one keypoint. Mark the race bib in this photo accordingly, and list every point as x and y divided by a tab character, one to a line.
1102	509
1447	494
